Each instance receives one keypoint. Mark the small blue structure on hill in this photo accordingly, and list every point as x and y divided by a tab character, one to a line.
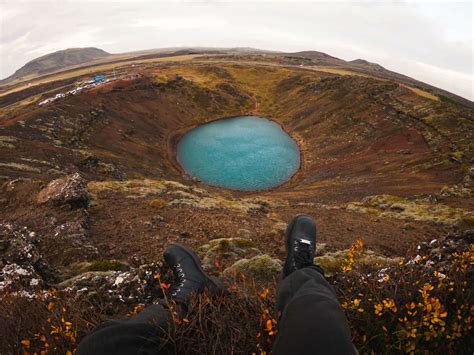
98	78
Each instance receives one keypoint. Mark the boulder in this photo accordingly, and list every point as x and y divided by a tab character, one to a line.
333	262
22	269
100	265
225	251
71	189
73	240
18	245
136	285
262	269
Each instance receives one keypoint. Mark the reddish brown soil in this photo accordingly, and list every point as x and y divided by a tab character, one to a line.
359	137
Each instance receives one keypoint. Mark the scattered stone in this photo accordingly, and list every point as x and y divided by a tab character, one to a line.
67	190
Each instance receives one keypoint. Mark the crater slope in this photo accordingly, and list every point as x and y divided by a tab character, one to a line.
382	161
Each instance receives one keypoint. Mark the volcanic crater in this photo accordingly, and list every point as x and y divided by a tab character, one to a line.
379	158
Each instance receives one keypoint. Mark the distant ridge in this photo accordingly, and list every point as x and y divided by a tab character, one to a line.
57	60
367	64
74	58
318	58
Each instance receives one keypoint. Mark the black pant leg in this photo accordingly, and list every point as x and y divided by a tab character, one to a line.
312	321
137	335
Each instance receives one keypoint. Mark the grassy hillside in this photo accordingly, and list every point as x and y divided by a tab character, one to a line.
387	172
55	61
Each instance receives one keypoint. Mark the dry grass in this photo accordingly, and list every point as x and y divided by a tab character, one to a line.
404	209
342	72
400	309
91	70
417	91
422	93
21	167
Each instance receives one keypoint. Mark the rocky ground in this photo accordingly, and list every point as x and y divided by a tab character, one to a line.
91	192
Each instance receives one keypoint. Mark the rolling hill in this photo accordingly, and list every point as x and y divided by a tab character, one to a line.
91	193
55	61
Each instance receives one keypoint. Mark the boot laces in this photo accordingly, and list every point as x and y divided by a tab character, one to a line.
180	277
303	253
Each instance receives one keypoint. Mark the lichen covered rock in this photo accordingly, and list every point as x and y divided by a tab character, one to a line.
261	269
137	285
71	189
73	240
22	269
225	251
333	262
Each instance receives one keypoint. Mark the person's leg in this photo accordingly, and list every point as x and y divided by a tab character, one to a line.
141	334
137	335
311	319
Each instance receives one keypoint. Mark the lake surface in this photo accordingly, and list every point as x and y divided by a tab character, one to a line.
241	153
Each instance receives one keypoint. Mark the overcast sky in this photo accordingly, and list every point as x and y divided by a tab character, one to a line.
429	41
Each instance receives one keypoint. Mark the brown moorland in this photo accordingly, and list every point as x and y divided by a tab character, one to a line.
383	161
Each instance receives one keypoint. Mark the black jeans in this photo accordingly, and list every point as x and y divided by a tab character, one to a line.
311	322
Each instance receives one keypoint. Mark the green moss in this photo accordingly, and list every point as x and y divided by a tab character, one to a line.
330	264
107	265
261	268
368	260
468	221
409	210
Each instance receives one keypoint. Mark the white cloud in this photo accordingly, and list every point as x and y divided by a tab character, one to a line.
166	24
429	41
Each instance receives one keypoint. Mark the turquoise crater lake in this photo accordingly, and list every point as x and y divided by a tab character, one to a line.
241	153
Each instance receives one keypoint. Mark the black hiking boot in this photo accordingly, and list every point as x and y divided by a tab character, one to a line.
190	277
300	244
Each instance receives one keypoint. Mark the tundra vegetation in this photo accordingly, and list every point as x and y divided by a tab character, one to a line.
91	194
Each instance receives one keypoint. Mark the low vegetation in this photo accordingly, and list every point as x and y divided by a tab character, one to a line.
411	210
421	304
89	250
